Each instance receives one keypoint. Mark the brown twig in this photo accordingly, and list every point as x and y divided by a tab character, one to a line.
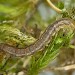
69	67
30	15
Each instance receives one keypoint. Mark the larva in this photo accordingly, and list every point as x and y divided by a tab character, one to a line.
37	45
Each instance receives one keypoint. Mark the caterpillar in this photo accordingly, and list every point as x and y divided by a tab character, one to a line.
40	42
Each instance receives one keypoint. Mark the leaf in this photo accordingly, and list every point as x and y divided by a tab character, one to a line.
60	5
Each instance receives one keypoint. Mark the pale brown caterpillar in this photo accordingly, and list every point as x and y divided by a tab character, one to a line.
37	45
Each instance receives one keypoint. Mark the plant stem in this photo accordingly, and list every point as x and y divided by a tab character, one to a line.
54	7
